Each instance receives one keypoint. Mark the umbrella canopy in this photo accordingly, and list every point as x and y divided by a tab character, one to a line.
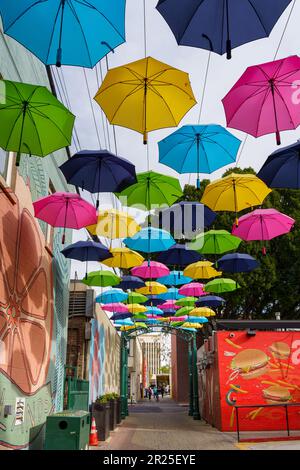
152	288
141	325
235	192
150	270
179	255
184	311
114	224
220	26
66	31
171	294
202	312
187	301
237	263
194	289
136	298
262	100
169	313
116	307
120	316
123	258
126	322
175	278
99	171
101	279
145	95
169	305
154	301
127	327
154	311
215	242
139	316
130	282
87	251
32	120
65	210
192	325
136	308
210	301
282	168
201	270
221	285
198	149
197	319
151	189
150	240
112	296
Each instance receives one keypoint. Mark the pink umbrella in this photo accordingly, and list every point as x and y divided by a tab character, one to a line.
116	307
65	210
183	318
263	224
263	100
193	289
150	270
169	305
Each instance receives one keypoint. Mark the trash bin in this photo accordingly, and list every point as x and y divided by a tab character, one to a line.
68	430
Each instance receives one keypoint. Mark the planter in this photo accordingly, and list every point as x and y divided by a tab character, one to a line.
101	413
113	414
118	410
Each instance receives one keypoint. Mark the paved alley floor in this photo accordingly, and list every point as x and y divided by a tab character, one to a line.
164	425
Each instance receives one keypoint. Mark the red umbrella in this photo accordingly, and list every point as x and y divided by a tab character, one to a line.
263	100
65	210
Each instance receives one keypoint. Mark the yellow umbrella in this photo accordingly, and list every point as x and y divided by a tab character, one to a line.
191	325
145	95
136	308
201	270
127	327
114	224
235	192
202	312
152	288
123	258
164	319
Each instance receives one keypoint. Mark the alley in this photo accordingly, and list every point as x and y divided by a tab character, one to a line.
164	425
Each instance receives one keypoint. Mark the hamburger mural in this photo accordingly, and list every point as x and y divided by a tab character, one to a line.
258	370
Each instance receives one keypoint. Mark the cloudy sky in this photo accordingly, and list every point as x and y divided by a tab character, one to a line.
161	45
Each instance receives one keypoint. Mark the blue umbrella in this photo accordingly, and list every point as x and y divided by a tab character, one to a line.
154	311
192	319
125	322
87	251
111	296
282	168
152	321
150	240
237	263
99	171
198	149
179	255
220	25
153	301
171	294
120	316
210	301
130	282
68	32
175	278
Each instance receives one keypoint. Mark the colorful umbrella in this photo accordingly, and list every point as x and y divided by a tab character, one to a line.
282	168
197	319
171	294
175	278
169	305
262	100
221	285
150	240
68	32
263	224
126	322
87	251
154	301
116	307
221	25
65	210
192	325
123	258
235	192
198	149
135	298
194	289
99	171
32	120
202	312
201	270
130	282
154	311
112	296
152	288
210	301
136	308
178	255
114	224
237	263
145	95
184	311
120	316
139	316
150	270
101	279
215	242
187	301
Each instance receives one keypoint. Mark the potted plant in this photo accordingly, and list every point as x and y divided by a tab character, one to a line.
113	410
101	413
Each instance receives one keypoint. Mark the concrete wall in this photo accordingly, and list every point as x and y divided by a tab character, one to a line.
179	367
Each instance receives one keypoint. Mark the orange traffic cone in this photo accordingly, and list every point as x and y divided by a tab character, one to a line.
93	441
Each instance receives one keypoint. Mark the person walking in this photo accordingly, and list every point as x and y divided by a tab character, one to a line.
162	391
155	390
149	393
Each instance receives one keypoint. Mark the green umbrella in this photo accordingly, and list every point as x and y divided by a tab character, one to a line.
184	311
214	242
152	189
101	279
139	316
136	298
221	285
32	120
186	301
176	323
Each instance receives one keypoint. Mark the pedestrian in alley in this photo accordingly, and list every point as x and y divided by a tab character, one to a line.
155	391
149	393
162	391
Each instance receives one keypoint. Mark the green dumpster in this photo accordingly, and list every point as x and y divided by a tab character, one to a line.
68	430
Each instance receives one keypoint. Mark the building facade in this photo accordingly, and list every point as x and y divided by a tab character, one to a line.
151	356
135	363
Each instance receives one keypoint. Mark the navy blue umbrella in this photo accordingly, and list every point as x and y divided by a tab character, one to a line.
210	301
99	171
237	263
130	282
153	301
87	251
221	25
282	168
169	313
179	255
121	316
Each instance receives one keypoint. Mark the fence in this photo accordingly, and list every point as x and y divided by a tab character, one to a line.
76	391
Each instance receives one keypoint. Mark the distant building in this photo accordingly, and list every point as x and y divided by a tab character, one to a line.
151	350
135	364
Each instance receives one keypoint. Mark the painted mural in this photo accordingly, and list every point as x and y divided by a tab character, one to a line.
263	369
97	358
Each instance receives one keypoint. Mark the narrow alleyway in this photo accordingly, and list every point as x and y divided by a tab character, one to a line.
164	425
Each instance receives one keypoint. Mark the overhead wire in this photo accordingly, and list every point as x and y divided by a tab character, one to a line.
92	107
